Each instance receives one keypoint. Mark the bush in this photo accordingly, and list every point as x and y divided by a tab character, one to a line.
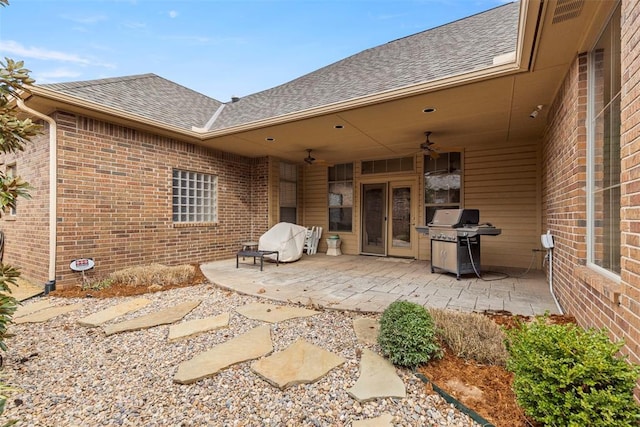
407	334
153	274
471	336
566	376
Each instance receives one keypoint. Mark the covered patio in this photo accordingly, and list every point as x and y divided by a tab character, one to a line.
370	284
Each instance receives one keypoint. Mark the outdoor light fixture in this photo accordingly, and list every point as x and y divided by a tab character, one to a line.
535	112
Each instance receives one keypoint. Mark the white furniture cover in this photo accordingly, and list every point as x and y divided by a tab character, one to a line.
286	238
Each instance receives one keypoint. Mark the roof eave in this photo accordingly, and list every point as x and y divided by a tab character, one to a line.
55	100
515	62
377	98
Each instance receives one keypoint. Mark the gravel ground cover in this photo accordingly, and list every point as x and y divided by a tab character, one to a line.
70	375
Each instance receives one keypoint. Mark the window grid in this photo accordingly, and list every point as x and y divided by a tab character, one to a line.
195	197
399	164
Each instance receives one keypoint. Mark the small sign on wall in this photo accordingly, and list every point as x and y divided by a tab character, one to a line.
82	264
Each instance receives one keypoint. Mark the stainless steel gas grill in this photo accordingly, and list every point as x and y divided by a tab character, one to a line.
454	235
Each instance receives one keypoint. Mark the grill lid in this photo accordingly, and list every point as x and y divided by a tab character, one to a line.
455	218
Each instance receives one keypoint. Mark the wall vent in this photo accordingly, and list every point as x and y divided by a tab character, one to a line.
567	9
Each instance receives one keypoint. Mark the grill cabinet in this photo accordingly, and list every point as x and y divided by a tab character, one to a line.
454	236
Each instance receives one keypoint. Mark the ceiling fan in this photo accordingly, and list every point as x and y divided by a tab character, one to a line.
429	148
309	160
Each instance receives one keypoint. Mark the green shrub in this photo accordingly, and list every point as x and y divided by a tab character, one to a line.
568	376
407	334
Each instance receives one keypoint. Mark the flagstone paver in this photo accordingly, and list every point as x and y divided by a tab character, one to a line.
366	329
161	317
23	290
378	379
250	345
24	310
47	313
197	326
110	313
301	363
273	313
384	420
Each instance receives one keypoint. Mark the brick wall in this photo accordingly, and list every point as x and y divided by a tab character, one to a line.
115	199
564	179
594	299
628	314
27	233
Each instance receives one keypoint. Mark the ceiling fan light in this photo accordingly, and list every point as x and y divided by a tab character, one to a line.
309	160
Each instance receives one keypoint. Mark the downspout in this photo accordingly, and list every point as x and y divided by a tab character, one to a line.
53	199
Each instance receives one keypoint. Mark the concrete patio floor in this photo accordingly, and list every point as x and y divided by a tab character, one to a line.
370	284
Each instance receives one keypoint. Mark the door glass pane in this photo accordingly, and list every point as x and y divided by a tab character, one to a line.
401	217
373	218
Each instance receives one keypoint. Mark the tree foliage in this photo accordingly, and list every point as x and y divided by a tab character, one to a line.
15	131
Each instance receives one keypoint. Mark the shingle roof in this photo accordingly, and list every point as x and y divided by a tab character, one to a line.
457	48
147	95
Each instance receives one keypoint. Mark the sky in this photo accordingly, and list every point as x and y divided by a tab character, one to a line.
221	48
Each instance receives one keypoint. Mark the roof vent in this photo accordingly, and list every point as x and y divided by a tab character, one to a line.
566	10
235	98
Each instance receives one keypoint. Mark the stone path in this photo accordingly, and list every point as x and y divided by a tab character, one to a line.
25	290
111	313
300	363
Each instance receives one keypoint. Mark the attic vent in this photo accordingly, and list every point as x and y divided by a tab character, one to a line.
567	9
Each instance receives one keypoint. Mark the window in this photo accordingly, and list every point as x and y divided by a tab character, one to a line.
603	176
400	164
288	193
341	197
442	183
12	172
195	197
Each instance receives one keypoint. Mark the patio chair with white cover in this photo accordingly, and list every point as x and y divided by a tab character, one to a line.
286	238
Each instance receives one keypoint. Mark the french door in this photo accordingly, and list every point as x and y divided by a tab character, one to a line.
388	219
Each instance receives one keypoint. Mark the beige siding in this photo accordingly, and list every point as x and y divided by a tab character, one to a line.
315	211
274	192
314	186
502	181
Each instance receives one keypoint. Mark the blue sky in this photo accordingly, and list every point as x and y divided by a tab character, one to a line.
221	48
